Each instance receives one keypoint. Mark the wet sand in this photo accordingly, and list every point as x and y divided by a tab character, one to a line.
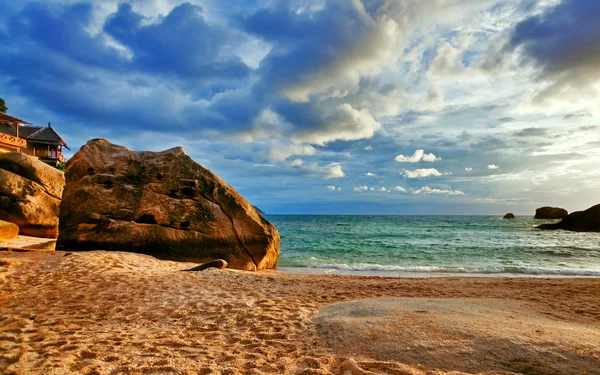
122	313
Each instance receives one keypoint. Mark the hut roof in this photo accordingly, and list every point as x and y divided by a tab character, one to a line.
4	119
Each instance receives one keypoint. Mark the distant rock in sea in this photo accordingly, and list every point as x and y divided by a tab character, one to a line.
580	221
550	213
30	194
509	216
162	204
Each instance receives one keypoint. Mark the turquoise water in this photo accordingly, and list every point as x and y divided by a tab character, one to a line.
434	244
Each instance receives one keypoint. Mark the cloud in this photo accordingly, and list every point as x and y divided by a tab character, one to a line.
505	120
505	200
468	169
333	188
531	132
563	44
427	190
422	173
369	148
297	162
340	123
279	151
571	116
418	156
369	174
158	47
361	189
333	170
492	166
400	189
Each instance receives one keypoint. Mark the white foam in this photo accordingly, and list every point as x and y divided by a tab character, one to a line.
512	270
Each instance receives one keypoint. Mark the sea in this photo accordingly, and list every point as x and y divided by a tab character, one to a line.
430	246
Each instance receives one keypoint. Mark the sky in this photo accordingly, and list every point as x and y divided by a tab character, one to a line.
328	107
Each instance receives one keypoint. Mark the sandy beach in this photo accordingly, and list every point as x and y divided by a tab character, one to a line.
122	313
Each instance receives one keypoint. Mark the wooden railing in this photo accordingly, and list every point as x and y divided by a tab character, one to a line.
13	141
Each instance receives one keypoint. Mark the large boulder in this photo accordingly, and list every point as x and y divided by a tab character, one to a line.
580	221
550	213
509	216
30	194
162	204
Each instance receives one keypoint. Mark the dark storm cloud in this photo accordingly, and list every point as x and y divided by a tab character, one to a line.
564	43
181	44
48	55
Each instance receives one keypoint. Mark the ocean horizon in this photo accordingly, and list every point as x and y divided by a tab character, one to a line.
433	245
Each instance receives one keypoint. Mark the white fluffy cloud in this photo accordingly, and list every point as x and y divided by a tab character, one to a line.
369	174
343	123
333	188
400	189
333	170
493	166
428	190
279	151
422	173
468	169
418	156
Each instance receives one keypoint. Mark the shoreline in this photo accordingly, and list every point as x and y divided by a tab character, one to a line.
323	271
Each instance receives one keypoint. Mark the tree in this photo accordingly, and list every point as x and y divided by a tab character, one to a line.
3	107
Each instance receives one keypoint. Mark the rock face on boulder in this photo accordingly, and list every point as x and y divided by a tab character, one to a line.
30	194
550	213
8	231
162	204
580	221
509	216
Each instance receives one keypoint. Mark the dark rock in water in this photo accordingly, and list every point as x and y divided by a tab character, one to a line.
8	231
30	194
162	204
580	221
217	263
550	213
509	216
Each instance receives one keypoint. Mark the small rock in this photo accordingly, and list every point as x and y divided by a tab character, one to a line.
8	231
509	216
217	263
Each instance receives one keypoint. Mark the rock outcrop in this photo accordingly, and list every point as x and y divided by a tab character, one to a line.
580	221
8	231
509	216
162	204
550	213
30	194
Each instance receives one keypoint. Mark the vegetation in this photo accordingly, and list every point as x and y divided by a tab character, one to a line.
3	107
61	166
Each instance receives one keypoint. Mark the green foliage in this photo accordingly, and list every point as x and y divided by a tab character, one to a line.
61	166
3	107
